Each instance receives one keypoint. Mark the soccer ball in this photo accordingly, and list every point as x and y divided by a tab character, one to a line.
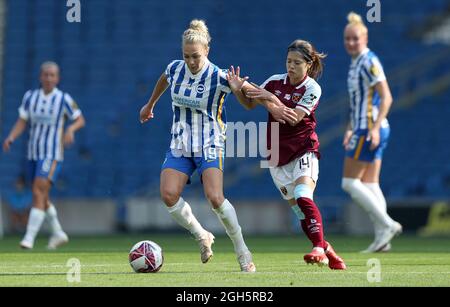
146	257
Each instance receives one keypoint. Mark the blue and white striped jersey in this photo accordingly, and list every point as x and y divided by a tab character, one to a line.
198	103
365	71
46	115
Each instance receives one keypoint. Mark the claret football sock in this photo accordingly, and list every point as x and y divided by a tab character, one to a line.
312	224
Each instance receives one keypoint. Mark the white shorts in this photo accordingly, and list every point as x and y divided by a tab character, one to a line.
284	176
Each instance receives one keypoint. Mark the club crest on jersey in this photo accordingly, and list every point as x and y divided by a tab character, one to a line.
200	88
283	190
296	97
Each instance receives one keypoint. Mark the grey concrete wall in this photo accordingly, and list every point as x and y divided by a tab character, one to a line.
255	218
79	216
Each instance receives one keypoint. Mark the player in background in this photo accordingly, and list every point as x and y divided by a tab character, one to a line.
295	174
198	90
45	110
367	133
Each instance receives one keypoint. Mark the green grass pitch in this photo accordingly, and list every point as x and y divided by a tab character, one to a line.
279	261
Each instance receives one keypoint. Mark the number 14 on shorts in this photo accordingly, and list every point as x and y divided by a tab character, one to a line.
304	162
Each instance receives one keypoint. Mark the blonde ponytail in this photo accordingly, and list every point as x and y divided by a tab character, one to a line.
197	33
355	20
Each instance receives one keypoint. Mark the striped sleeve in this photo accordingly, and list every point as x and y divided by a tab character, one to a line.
170	70
70	107
24	109
223	81
373	71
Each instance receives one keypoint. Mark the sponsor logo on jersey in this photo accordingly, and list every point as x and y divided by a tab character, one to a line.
310	99
187	102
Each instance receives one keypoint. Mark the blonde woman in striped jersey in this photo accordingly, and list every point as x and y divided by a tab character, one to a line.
198	90
367	133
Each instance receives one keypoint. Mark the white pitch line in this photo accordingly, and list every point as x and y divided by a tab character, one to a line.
263	273
322	273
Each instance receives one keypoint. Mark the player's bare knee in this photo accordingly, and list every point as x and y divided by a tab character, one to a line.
39	190
169	197
216	199
39	197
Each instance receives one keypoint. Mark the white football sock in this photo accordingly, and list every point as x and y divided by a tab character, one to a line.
366	200
376	190
181	212
52	217
228	218
35	220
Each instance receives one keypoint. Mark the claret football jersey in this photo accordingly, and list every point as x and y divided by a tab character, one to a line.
296	140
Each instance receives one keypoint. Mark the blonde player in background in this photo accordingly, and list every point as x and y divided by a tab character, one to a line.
367	133
45	110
